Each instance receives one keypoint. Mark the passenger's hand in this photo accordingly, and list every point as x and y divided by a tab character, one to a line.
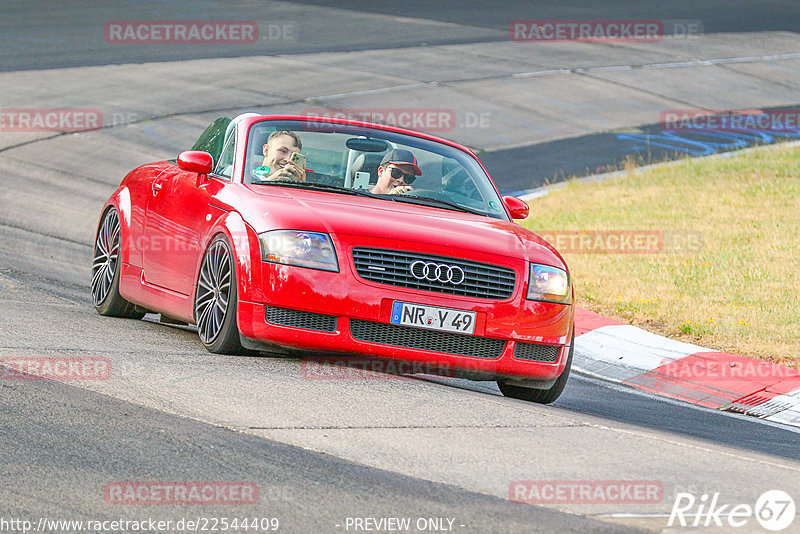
290	171
400	189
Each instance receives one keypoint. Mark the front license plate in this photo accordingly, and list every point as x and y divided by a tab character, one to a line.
433	317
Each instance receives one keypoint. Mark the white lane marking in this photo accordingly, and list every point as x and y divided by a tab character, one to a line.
699	447
670	65
582	70
373	91
633	347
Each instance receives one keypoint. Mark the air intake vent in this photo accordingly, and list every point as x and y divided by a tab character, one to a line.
536	353
416	338
301	319
435	273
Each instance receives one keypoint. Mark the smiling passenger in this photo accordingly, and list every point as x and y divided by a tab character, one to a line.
397	172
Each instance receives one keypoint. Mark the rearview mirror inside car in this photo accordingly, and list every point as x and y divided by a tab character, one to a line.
363	144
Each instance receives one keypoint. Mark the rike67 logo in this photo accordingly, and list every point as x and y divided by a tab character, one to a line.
774	510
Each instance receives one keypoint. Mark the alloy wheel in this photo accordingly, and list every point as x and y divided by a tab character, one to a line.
213	291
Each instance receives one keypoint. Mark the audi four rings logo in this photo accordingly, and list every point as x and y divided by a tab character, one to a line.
435	272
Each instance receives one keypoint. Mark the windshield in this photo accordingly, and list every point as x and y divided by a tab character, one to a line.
349	157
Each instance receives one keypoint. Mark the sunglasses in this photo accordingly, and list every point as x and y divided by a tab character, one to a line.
408	177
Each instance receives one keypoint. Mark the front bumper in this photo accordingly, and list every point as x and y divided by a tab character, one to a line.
428	349
330	312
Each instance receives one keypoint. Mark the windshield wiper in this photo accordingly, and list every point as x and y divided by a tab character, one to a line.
317	187
435	202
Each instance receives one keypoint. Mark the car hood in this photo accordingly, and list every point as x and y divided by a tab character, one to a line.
341	215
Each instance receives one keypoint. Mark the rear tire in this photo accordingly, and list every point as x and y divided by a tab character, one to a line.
215	300
541	396
105	271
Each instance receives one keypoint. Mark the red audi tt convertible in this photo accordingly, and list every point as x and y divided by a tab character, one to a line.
319	235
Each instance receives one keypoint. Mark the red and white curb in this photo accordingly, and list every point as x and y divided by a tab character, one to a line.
649	362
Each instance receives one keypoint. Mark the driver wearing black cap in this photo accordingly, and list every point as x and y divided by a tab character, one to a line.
397	172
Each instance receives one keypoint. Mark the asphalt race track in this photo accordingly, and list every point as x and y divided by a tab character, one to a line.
325	452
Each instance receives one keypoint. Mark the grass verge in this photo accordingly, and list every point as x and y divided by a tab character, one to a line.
703	250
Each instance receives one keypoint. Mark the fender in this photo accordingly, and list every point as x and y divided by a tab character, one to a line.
128	254
120	201
246	254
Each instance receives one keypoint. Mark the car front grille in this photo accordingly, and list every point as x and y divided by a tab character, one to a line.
416	338
393	267
536	353
300	319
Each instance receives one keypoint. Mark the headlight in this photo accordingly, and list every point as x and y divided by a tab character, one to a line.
548	284
304	249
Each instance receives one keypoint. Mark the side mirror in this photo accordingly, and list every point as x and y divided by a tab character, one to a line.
516	207
196	161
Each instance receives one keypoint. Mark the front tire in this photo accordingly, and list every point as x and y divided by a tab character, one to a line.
541	396
105	271
215	300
